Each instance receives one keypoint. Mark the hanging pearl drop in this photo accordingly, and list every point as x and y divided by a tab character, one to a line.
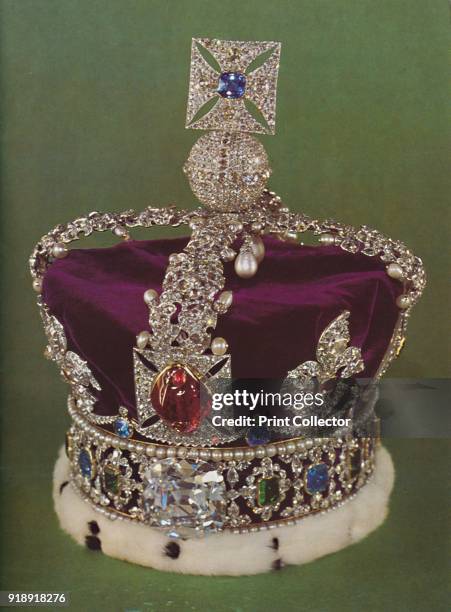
246	264
258	248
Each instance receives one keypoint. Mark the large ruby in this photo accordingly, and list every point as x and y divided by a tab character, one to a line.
180	398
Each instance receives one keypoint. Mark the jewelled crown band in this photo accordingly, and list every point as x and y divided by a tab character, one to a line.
144	461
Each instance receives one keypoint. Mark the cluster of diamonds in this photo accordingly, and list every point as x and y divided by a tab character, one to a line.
236	494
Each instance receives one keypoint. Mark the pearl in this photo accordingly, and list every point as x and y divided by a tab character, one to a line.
395	271
120	232
150	451
170	451
216	455
59	250
181	452
271	450
238	455
219	346
227	455
161	452
258	248
246	264
403	301
142	339
260	452
204	454
228	254
291	447
249	454
150	295
327	239
37	285
226	299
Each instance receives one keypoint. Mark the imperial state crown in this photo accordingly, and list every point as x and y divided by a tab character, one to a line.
147	332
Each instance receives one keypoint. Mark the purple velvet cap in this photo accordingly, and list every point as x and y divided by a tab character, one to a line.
273	325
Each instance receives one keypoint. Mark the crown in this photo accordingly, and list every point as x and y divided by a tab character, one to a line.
146	333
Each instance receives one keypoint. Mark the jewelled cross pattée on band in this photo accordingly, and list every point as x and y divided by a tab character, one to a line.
244	71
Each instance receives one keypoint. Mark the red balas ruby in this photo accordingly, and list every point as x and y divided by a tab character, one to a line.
180	398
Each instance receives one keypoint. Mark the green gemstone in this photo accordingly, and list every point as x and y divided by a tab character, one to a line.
268	491
111	479
355	463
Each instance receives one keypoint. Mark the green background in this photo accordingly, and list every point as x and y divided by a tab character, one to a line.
92	101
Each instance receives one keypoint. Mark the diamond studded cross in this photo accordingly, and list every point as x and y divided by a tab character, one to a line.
236	77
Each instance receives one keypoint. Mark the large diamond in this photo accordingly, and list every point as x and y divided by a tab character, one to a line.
180	398
184	496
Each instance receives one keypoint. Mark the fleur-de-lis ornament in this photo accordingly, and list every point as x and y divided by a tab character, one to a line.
333	355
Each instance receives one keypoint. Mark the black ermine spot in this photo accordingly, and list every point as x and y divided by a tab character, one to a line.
275	543
94	527
172	549
93	542
278	565
63	485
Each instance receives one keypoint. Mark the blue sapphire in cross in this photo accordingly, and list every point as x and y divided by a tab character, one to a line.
231	85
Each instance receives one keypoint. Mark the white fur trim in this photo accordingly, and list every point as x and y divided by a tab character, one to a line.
312	538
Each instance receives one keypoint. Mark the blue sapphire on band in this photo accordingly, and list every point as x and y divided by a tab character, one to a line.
317	479
122	428
231	85
258	435
85	463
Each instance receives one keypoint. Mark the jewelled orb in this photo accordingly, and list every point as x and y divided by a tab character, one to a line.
180	398
227	171
231	85
184	497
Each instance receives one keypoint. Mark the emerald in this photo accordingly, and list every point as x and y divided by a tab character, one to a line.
355	463
268	492
111	479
